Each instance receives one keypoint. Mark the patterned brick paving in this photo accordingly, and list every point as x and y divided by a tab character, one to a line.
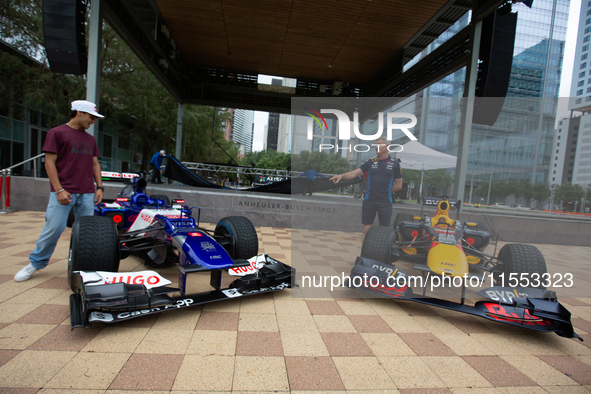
305	340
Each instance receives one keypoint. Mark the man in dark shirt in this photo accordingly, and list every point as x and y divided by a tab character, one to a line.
311	176
71	162
156	163
383	179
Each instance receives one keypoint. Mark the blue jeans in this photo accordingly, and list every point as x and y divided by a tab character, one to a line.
56	218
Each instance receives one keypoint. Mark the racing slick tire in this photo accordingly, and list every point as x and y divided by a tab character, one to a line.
519	258
240	237
378	243
71	218
402	217
161	197
94	246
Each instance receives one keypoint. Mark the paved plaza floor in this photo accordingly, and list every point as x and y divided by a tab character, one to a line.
294	340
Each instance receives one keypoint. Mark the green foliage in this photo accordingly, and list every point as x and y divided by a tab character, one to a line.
148	112
482	190
197	136
436	180
21	24
271	160
132	99
569	193
501	189
541	193
528	191
411	175
320	161
520	189
31	81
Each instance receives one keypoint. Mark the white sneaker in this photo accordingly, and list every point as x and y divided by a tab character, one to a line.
25	273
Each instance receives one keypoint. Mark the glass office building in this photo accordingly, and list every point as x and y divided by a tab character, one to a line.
243	129
519	144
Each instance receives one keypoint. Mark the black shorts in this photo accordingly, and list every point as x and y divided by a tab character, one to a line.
383	209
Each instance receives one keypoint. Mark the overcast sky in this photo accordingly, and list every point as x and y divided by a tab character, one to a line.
261	118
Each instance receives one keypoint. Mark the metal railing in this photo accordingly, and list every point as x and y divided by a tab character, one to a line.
240	170
34	159
5	181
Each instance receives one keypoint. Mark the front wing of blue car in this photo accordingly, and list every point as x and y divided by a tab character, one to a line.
115	297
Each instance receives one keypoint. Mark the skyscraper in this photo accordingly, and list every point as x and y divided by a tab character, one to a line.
580	88
243	128
519	144
571	161
273	124
284	134
272	131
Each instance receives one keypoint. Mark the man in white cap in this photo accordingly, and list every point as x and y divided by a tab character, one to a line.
71	162
156	163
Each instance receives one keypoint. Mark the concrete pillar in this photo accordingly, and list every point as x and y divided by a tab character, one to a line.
179	132
93	74
467	114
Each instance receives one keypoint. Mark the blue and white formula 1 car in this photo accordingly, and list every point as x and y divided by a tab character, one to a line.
223	263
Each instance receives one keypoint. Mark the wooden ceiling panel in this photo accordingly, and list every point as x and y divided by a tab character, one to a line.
304	65
198	30
299	38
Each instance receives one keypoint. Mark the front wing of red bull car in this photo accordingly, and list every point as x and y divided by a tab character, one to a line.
212	265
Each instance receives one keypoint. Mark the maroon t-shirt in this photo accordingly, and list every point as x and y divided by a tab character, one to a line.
75	150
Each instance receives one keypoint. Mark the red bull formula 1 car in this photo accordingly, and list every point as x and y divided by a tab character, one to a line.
450	254
212	265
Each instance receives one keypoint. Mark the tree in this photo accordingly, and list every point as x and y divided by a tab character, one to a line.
516	188
437	179
482	190
528	191
134	102
271	160
147	112
30	80
320	161
409	176
200	143
501	189
21	25
570	195
541	193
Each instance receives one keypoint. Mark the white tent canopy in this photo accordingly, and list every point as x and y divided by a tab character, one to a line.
416	156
